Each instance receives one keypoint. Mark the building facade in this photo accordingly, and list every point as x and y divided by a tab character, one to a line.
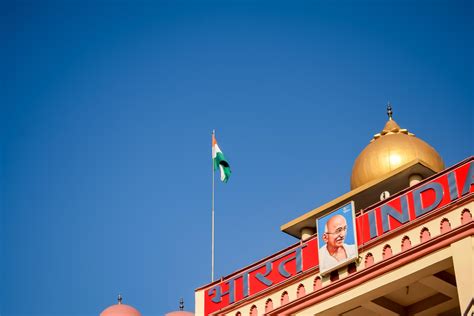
409	222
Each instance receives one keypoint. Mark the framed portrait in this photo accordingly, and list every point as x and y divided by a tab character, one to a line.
337	238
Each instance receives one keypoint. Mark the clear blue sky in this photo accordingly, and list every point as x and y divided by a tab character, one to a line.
107	109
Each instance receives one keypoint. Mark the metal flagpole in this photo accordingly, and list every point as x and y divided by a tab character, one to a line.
212	247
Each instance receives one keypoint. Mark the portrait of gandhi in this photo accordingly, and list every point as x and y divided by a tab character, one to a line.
334	250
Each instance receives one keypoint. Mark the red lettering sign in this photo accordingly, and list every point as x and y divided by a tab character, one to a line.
378	220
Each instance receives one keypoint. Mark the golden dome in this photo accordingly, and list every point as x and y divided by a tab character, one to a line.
390	149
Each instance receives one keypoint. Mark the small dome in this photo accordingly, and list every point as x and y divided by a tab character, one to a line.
181	311
120	310
390	149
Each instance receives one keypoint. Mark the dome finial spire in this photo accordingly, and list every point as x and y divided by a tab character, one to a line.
181	304
120	298
389	110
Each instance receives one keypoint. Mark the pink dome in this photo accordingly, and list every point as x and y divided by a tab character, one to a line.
120	310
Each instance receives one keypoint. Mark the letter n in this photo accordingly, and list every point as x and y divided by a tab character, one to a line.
417	198
387	210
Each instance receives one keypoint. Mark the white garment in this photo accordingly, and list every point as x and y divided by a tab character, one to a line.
326	261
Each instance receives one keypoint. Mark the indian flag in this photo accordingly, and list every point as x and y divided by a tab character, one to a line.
220	161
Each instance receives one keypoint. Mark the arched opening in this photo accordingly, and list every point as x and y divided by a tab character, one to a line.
301	291
425	234
317	284
406	243
466	216
369	260
253	311
445	225
284	298
334	276
268	306
352	268
387	252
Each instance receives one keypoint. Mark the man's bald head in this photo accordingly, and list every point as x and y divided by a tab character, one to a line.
335	222
335	231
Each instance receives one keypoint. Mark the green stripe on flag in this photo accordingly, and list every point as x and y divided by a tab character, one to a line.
221	163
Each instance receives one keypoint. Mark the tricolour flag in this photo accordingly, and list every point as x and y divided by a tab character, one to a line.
220	161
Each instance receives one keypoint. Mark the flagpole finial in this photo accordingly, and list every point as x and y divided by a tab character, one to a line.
181	304
389	110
